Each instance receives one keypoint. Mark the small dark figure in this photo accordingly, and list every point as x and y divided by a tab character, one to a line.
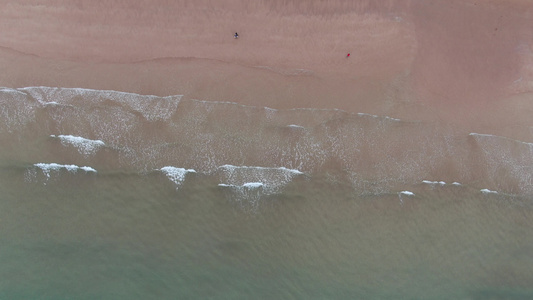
236	35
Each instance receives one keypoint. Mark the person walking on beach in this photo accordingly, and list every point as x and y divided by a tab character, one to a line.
236	35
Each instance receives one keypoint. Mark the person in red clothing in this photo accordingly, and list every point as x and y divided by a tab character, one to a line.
348	55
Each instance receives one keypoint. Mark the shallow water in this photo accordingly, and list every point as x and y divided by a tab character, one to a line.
121	196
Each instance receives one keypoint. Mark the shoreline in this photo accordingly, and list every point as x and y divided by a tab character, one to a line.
443	60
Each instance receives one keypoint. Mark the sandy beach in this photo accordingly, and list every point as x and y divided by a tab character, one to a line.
148	154
439	57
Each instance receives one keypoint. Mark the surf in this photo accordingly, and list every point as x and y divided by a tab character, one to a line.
375	154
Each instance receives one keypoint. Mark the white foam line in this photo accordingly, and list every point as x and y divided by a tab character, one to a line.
407	193
261	168
47	167
221	102
249	185
295	126
336	110
378	117
78	140
11	90
456	183
85	146
214	102
32	89
487	191
84	90
433	182
499	137
88	169
253	185
481	134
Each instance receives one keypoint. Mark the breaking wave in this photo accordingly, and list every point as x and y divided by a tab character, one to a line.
140	133
176	175
54	170
84	146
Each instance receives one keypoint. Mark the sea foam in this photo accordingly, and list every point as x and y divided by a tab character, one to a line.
514	157
378	117
152	108
498	137
433	182
50	168
270	180
176	175
247	195
487	191
407	193
84	146
248	185
17	109
295	126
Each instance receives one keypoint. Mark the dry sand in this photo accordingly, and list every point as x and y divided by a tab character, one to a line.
471	61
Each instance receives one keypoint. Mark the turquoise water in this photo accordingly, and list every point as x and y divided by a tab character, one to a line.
125	236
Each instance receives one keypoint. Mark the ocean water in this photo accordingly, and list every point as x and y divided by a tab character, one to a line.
112	195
